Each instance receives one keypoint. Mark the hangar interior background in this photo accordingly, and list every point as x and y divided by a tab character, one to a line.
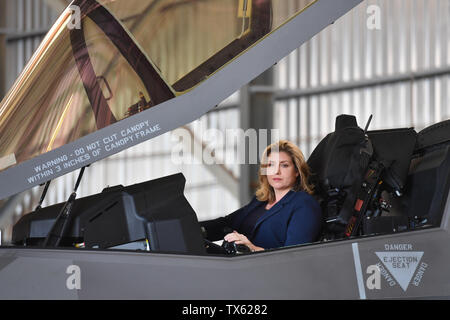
389	58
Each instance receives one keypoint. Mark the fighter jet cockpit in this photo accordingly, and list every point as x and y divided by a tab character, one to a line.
384	182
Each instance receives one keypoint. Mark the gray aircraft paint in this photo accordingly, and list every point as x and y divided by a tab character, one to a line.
317	271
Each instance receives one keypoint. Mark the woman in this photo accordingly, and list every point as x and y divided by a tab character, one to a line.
282	213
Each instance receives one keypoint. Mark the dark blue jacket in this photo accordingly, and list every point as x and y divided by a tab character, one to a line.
295	219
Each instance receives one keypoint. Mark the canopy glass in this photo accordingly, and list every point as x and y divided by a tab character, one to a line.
124	56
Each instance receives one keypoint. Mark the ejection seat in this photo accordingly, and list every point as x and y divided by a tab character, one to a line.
428	182
354	172
427	185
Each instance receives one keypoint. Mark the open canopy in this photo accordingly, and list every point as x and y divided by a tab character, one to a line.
107	60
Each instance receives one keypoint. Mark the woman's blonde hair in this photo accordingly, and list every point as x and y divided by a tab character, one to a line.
265	191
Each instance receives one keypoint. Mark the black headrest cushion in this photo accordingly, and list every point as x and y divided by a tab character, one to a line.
435	134
345	121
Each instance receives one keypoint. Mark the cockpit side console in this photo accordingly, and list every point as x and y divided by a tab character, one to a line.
155	211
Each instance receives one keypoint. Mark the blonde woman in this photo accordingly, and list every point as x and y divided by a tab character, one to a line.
282	213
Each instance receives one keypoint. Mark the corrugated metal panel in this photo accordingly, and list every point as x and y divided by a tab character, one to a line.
25	16
414	36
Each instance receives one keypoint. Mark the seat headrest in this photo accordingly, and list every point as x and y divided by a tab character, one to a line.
345	121
434	134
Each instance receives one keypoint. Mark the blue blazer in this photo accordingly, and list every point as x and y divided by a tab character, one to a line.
295	219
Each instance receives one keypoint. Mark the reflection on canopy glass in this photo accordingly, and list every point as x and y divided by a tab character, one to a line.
55	105
188	40
128	56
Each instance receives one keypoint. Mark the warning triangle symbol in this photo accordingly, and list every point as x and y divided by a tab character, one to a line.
401	265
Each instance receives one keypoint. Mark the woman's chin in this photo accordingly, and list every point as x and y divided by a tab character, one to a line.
280	187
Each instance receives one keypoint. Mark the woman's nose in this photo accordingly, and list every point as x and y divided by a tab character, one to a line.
278	169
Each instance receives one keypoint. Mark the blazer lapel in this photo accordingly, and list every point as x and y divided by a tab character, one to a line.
277	207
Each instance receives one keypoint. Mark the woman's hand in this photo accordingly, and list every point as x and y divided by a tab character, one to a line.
241	239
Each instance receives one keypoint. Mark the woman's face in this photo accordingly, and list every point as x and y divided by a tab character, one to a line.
281	173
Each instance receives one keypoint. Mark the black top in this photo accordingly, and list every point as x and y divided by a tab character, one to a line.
250	221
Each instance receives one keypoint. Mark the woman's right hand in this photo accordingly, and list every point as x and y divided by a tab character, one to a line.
241	239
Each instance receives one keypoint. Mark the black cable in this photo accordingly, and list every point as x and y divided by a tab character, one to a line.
44	193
